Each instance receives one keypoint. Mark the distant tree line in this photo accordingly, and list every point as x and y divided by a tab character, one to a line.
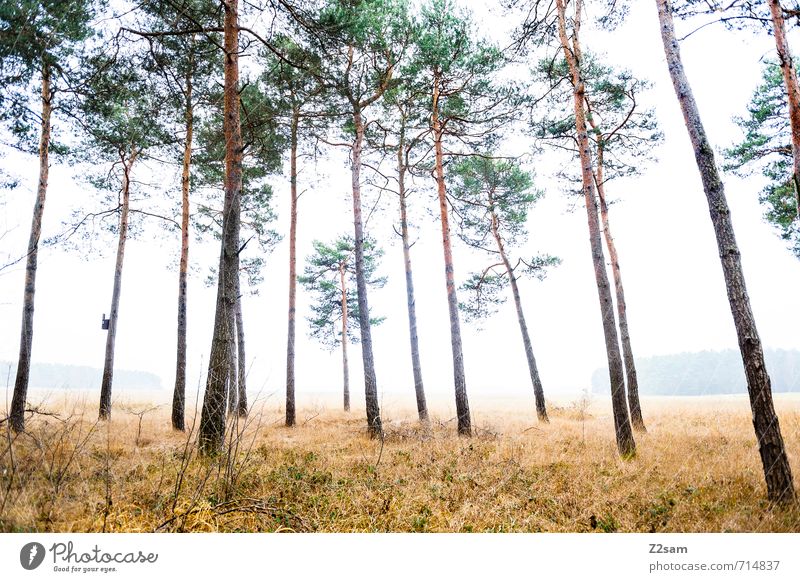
69	377
707	372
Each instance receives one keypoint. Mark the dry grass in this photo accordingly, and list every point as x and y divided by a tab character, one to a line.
696	470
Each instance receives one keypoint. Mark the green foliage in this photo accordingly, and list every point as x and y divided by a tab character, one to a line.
323	278
473	102
766	148
293	81
122	120
626	132
486	291
264	142
490	192
491	199
35	35
121	109
359	43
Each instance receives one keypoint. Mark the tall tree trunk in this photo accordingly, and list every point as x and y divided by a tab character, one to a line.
212	420
622	311
108	366
179	395
17	414
370	380
290	336
778	474
622	425
241	362
792	91
538	390
232	390
462	402
345	363
419	389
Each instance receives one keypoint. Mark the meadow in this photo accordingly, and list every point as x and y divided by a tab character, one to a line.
696	470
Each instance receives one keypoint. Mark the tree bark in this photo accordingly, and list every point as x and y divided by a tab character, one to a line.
290	336
622	425
459	378
232	390
370	380
792	91
345	363
777	472
17	413
108	366
212	420
538	390
622	311
241	362
179	395
419	389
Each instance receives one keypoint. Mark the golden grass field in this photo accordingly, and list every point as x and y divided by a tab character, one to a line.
697	470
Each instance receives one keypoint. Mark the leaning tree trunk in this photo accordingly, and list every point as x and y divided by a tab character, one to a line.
179	395
17	414
370	380
778	474
212	420
290	336
419	389
627	351
108	366
622	425
538	390
345	363
792	92
459	378
241	359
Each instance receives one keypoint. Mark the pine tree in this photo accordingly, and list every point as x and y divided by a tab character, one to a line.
777	472
37	40
492	198
122	124
360	44
466	106
330	276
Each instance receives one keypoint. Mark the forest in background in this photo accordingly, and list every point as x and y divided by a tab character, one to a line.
69	377
706	373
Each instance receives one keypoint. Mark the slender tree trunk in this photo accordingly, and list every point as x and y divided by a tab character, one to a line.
370	379
462	402
179	395
212	420
345	364
538	390
108	366
232	390
777	472
622	312
290	336
17	414
622	425
792	91
419	389
241	363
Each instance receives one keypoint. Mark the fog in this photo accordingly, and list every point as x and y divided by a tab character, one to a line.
673	280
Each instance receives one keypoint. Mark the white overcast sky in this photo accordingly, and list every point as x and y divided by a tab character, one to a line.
674	287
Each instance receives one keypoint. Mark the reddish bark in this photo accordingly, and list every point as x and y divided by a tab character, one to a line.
622	425
462	401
